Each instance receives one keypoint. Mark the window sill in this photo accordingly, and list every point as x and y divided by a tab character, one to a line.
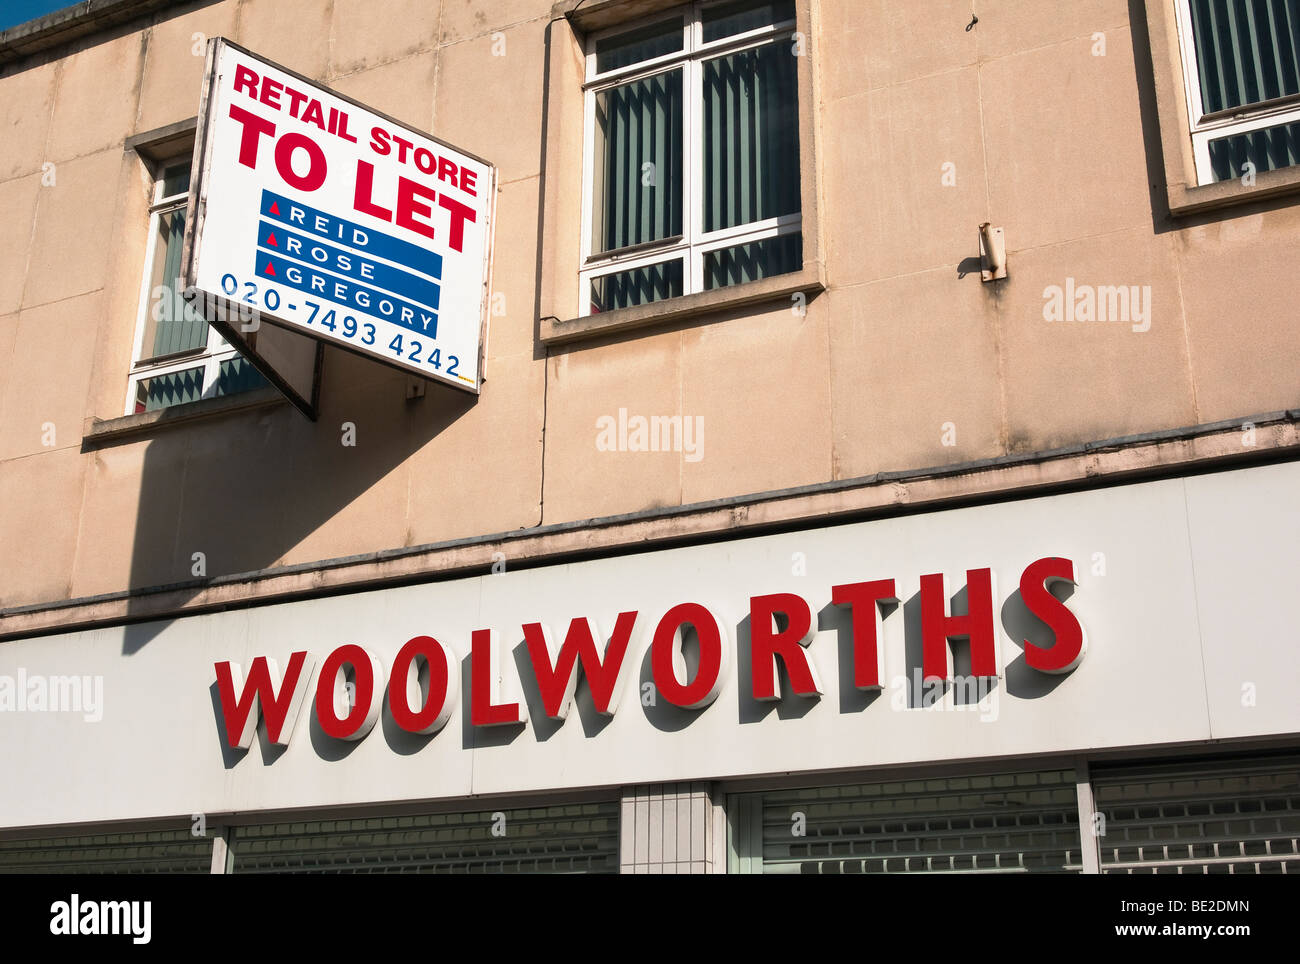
809	280
97	431
1268	184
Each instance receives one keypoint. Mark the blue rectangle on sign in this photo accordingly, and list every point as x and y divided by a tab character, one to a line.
368	301
315	253
313	221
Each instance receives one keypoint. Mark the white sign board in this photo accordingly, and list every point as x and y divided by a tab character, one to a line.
338	222
1184	588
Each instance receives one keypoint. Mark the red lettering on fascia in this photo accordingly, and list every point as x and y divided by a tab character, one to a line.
556	670
767	643
976	625
668	665
351	683
867	602
1035	590
428	712
485	684
265	692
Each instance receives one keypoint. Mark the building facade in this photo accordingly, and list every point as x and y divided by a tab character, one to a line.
884	457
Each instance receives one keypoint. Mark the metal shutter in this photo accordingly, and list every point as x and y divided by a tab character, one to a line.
1003	823
577	838
157	851
1231	818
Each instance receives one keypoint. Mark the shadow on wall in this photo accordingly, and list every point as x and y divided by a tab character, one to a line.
246	489
237	493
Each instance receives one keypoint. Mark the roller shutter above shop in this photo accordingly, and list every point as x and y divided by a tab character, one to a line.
999	823
1234	817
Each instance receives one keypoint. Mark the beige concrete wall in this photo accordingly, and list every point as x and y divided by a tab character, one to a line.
905	361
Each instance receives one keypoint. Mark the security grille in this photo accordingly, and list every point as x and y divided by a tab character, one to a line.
1241	818
1004	823
158	851
578	838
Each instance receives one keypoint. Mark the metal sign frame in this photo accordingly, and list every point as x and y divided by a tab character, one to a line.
223	313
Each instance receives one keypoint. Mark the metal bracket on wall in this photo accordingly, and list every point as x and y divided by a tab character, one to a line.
993	253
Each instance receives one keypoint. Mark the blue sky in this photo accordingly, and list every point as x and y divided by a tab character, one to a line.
14	12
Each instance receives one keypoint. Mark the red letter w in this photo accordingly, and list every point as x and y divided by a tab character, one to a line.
279	698
557	678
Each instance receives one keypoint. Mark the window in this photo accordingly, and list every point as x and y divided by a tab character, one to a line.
691	168
178	356
1241	63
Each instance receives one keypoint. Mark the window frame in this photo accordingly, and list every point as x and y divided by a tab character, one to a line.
694	243
1204	127
216	349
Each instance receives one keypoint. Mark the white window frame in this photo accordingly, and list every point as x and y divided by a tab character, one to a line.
694	243
214	352
1224	123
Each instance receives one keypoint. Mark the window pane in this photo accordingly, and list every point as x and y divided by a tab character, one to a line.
238	375
643	43
637	194
637	286
1267	149
750	262
751	137
161	391
1246	50
741	15
176	180
171	325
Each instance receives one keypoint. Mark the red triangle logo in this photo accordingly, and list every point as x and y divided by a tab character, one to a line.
270	239
270	270
275	207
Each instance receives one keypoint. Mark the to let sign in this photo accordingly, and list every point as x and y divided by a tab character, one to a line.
337	222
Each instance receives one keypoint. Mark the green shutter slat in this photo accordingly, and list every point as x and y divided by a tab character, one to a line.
1257	60
1279	70
1291	9
1216	37
1204	53
1235	41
